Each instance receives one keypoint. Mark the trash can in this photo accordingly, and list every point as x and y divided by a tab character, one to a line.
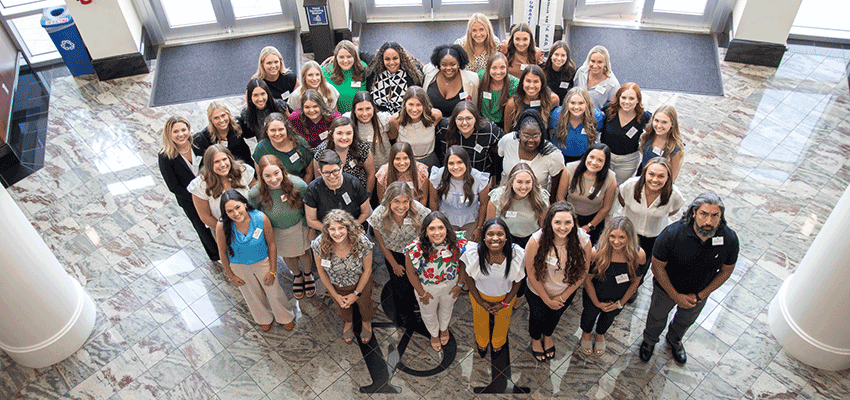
63	31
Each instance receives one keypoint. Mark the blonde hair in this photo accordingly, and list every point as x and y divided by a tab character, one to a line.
353	228
604	251
232	126
491	44
215	186
588	120
536	199
396	189
265	52
168	146
674	136
324	86
602	51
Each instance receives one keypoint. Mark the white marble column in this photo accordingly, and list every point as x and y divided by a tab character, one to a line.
45	315
810	316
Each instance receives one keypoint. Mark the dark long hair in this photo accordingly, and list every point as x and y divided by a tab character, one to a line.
568	70
451	237
392	173
293	197
407	63
356	143
377	130
577	182
468	180
530	52
271	105
227	223
479	125
545	94
575	267
507	250
487	81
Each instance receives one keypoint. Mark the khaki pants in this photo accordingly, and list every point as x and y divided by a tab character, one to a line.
267	303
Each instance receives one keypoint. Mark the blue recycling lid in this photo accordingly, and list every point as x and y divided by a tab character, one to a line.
54	17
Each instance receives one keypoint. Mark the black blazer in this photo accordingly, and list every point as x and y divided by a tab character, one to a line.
236	145
177	176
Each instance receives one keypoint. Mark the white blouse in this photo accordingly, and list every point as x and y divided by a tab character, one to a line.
648	221
494	284
381	152
198	187
544	167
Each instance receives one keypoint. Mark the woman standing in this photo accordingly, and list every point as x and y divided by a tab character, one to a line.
396	223
389	74
248	252
221	128
612	280
596	76
220	173
662	138
649	201
345	73
591	187
577	128
281	80
372	126
528	145
480	43
432	268
179	167
556	261
468	129
415	124
494	269
496	88
521	49
404	168
354	153
291	149
261	103
343	255
624	123
520	202
447	82
560	69
460	192
313	78
532	93
314	118
279	196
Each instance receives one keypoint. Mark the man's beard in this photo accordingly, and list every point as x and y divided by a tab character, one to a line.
702	231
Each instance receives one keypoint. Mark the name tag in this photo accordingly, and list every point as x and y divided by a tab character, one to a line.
564	85
478	148
356	83
285	95
622	278
510	214
591	189
463	95
295	157
552	261
346	198
326	263
717	241
283	198
410	183
257	233
487	95
534	103
599	89
631	133
323	135
523	66
352	164
656	150
223	143
446	253
583	133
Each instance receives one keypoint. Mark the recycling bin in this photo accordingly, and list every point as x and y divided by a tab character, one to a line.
63	31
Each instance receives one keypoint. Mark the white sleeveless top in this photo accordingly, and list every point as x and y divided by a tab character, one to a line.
421	139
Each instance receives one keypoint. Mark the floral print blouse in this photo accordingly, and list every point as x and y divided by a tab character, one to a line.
439	265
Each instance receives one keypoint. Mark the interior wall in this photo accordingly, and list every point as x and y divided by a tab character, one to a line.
767	21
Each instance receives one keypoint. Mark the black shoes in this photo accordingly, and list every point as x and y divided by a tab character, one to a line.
646	350
678	351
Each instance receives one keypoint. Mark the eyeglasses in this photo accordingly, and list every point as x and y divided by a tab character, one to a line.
332	173
527	136
461	119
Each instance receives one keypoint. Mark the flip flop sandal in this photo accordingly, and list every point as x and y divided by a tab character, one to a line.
309	286
298	287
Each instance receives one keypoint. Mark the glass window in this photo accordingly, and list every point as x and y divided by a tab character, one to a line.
255	8
34	36
188	12
397	3
694	7
12	3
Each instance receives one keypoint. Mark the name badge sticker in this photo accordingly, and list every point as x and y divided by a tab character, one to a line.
656	150
283	198
510	214
622	278
356	83
352	164
295	157
478	148
717	241
326	263
632	132
487	95
600	89
323	135
534	103
463	95
523	66
257	233
551	260
583	133
285	95
446	253
346	198
564	85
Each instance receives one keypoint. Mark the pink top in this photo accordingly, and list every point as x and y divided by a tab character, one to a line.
405	176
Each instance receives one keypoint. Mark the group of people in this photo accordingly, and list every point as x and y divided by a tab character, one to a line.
492	169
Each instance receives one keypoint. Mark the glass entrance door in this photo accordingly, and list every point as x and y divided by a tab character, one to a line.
180	20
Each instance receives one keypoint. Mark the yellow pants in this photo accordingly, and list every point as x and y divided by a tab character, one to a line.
481	321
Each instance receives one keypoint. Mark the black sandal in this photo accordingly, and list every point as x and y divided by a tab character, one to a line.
309	286
298	288
550	352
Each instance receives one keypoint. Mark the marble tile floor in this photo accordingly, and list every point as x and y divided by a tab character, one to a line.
169	326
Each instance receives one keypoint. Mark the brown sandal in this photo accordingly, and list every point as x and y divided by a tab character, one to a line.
435	344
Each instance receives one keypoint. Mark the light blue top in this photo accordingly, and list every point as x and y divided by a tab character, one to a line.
454	205
576	143
251	248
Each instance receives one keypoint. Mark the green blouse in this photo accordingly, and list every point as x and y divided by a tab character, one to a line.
281	215
490	107
346	89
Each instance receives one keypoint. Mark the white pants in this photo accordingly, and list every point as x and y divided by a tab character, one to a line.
267	303
625	166
438	312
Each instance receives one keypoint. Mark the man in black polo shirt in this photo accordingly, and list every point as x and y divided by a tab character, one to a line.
334	189
692	258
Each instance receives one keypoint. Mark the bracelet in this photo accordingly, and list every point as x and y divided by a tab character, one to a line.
273	273
697	296
562	300
619	306
505	304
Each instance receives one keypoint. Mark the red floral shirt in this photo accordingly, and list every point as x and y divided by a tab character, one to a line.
439	265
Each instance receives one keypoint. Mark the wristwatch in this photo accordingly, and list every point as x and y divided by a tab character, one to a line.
590	227
356	293
461	285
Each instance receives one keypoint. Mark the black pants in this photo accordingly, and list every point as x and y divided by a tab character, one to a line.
206	236
403	293
521	241
589	314
596	231
543	320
